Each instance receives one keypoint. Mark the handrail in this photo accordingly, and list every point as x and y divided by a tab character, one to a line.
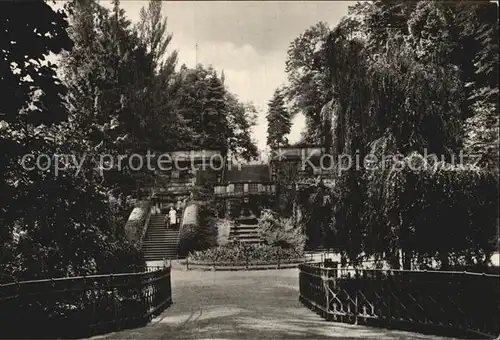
317	266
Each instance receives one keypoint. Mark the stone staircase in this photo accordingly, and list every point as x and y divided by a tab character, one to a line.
160	242
246	230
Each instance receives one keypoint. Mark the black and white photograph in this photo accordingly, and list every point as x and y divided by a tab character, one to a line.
224	170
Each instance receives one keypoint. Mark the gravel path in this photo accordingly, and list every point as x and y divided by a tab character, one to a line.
246	305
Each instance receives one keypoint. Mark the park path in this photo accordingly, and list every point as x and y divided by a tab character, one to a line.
246	305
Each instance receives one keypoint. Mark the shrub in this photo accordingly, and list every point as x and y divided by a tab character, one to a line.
280	232
443	215
241	253
199	230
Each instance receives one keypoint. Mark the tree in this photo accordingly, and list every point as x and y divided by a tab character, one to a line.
215	125
242	118
479	28
55	222
108	74
279	121
399	85
308	88
215	116
30	32
152	31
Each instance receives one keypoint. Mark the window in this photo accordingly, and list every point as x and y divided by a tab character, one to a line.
238	187
253	187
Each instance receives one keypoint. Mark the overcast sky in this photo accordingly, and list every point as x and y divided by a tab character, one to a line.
248	40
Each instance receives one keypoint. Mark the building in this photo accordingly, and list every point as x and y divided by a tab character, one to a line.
297	163
175	173
245	190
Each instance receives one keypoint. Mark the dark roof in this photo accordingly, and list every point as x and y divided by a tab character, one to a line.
296	153
247	173
302	146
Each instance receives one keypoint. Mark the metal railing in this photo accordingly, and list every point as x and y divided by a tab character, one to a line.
82	306
453	303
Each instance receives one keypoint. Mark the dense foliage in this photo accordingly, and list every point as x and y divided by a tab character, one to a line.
308	86
395	80
117	92
55	222
278	121
280	232
243	254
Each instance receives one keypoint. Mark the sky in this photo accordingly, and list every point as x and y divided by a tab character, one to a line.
246	39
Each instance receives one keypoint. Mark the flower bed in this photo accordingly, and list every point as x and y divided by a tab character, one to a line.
242	254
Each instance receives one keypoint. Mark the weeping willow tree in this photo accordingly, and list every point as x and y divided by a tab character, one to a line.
390	104
399	95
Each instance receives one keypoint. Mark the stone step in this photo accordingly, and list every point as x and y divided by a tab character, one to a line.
159	251
254	241
242	232
162	231
157	257
160	244
151	237
154	257
172	249
245	230
246	236
162	228
161	237
160	241
246	226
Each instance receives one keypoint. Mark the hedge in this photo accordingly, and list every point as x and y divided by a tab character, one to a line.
445	215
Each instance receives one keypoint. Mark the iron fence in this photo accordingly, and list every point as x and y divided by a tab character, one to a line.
459	304
78	307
